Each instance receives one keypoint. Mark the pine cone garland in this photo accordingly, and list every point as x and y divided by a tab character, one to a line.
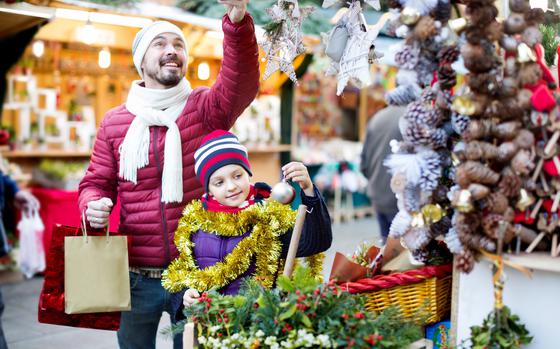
459	122
496	203
425	28
447	77
477	150
510	183
476	172
407	58
448	54
465	261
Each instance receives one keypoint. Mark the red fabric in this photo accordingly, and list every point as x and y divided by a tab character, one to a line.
51	300
523	217
409	277
550	168
542	99
61	207
143	216
213	205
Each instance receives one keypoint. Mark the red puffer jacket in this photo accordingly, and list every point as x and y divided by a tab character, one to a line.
150	223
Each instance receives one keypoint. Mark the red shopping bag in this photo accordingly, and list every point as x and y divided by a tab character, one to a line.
51	301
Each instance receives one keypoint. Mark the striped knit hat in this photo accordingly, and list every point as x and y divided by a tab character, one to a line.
218	149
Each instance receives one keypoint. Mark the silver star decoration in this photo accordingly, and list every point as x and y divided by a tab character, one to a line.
283	45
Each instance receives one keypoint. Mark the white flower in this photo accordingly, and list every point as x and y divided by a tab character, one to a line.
270	340
213	329
259	333
324	340
202	340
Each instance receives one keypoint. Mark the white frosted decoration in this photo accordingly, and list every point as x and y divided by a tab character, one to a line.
408	164
400	224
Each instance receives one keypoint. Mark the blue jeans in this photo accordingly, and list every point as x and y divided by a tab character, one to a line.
385	220
139	326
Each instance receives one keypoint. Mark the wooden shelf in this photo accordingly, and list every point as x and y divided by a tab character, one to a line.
269	148
19	154
536	260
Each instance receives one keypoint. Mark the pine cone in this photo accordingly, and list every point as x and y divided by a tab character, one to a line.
425	28
459	122
411	198
477	129
417	134
525	139
430	173
477	173
522	163
447	77
491	226
465	261
510	183
441	227
428	96
442	12
438	138
448	54
496	203
506	130
529	74
477	150
444	100
425	69
506	151
416	238
407	58
534	17
478	191
481	16
453	242
471	239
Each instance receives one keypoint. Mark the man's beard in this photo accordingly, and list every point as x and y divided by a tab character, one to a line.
165	78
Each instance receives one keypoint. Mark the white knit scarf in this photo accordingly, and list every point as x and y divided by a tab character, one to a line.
155	107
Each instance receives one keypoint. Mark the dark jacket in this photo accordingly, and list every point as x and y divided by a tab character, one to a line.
210	249
381	129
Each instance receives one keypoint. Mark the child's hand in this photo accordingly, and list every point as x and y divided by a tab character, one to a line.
297	172
190	297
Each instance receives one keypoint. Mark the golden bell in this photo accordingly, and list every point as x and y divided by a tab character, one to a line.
463	105
417	220
525	200
409	16
457	25
432	213
463	203
525	54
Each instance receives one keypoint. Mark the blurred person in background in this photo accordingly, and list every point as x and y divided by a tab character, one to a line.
381	129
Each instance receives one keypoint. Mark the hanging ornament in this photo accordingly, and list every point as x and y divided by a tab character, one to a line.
283	39
356	56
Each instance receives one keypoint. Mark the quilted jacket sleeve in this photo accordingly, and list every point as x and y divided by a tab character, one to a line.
100	179
238	81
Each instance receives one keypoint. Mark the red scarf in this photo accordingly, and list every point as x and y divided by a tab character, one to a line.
257	193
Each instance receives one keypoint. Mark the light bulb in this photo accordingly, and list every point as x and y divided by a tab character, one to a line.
104	58
38	48
203	71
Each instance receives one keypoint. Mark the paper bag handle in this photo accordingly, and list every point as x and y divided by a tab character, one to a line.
84	228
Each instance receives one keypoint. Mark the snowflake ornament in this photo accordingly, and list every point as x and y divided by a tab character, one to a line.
284	42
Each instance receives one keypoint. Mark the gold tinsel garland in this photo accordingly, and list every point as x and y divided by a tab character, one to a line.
267	221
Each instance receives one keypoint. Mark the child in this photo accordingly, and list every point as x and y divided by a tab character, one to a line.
231	234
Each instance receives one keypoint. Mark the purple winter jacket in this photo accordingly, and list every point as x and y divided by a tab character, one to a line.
210	249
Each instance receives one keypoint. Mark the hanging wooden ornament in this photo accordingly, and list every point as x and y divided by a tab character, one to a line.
283	40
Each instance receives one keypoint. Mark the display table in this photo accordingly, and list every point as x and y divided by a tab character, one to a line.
534	300
61	207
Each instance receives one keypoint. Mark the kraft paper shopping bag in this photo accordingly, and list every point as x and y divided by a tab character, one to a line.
96	275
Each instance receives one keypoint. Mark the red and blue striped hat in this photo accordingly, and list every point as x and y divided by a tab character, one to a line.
219	148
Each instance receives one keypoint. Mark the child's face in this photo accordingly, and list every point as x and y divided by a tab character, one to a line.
230	185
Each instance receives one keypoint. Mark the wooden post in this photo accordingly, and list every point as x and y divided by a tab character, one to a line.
294	242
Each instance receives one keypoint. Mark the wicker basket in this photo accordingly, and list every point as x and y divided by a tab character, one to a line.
421	294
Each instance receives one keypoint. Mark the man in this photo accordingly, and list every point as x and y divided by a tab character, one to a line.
382	128
144	154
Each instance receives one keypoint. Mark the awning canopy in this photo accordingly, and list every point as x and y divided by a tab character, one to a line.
21	16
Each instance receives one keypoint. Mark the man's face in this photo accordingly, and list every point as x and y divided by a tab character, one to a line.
230	185
164	63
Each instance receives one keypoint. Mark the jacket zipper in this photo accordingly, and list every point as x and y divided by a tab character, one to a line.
161	204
